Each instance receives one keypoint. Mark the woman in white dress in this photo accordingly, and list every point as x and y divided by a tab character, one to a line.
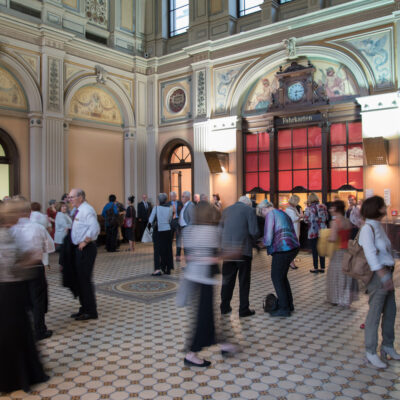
296	217
63	223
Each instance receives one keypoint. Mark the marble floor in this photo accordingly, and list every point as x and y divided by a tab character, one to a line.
135	348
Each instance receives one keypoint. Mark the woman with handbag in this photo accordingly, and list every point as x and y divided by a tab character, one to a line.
160	220
382	302
129	223
341	289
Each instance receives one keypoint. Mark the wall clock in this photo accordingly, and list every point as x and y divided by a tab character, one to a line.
295	91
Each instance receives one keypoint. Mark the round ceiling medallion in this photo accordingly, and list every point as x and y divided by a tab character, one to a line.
177	100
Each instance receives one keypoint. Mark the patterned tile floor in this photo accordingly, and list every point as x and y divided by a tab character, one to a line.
135	348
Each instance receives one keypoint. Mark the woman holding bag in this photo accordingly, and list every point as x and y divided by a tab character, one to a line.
382	302
129	225
160	219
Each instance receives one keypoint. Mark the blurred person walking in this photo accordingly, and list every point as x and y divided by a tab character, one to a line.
20	366
129	223
239	230
342	290
51	215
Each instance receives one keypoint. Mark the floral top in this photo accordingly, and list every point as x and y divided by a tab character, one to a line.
316	216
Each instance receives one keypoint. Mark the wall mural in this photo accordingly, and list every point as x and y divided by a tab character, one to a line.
93	103
224	79
11	93
97	11
376	49
338	82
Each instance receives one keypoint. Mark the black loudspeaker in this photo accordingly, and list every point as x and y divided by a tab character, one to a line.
376	150
217	162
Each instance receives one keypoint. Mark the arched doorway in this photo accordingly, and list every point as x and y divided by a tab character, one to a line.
176	167
9	166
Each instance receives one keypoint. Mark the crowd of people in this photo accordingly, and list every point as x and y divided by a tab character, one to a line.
206	236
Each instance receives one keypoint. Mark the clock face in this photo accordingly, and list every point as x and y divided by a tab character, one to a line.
295	91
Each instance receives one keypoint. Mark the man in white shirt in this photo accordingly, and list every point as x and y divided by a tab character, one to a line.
84	232
33	239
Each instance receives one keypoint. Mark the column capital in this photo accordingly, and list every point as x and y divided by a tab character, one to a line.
129	133
35	120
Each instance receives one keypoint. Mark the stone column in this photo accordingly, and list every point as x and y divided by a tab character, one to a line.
66	155
36	158
201	171
129	162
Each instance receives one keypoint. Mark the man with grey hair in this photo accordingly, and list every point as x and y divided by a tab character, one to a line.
175	228
239	229
84	231
196	198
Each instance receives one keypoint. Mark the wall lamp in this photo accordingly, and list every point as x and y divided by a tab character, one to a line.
217	162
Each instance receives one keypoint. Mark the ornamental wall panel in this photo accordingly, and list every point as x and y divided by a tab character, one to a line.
12	95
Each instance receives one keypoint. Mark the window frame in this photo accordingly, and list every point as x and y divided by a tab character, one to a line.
172	19
241	12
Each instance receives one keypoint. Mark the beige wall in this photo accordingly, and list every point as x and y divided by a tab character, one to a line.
18	129
96	164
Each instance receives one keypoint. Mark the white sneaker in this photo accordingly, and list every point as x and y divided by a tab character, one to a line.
375	360
389	351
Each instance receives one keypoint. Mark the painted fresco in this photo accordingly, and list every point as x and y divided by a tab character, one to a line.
336	78
376	49
224	79
92	103
11	93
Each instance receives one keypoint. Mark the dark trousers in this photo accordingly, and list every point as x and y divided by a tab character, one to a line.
163	259
230	269
176	229
111	238
204	333
279	270
141	227
84	263
39	300
313	246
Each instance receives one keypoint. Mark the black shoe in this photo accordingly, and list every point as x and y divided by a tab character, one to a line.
314	271
247	313
226	311
167	273
291	308
77	314
159	273
279	313
192	364
322	270
85	317
44	335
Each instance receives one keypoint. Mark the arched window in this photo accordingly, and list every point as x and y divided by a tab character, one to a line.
176	168
9	166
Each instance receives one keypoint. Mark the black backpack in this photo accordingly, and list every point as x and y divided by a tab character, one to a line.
111	217
270	303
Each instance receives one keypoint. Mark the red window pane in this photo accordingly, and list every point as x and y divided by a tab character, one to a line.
300	179
338	134
314	136
300	137
355	155
285	139
300	159
338	156
251	142
251	162
314	158
263	178
315	179
355	132
285	180
356	177
284	160
338	178
251	181
264	161
263	141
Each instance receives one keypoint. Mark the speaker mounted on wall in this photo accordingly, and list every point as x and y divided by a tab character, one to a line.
217	162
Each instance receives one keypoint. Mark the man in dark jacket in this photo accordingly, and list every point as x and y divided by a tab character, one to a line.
239	228
110	214
144	211
175	228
